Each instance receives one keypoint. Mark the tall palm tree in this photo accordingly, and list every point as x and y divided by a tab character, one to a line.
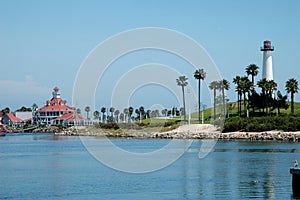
224	85
271	87
291	86
122	117
141	113
87	109
164	112
182	81
103	110
252	70
246	86
214	86
199	74
130	109
263	84
237	81
116	113
126	113
112	110
96	114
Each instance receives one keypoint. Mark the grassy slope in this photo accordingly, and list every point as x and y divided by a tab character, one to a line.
233	110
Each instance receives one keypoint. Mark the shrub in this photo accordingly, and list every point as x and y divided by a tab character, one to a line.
256	124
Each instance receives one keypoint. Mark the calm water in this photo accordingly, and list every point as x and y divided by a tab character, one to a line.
44	166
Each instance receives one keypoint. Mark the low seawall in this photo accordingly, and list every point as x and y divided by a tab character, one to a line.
262	136
193	131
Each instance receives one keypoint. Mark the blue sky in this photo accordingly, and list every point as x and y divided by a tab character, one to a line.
44	43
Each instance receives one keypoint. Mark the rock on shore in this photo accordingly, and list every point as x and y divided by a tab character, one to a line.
193	131
263	136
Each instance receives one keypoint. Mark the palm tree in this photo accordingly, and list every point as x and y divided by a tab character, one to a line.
141	113
126	113
237	81
111	110
182	81
87	110
246	86
272	85
117	112
199	74
78	111
96	114
291	86
224	85
130	109
253	71
164	112
111	118
214	86
263	85
103	110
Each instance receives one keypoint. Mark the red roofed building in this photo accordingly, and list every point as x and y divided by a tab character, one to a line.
72	118
54	109
11	120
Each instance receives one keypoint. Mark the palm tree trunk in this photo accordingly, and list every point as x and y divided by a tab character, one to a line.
267	104
199	84
183	103
240	103
199	103
244	93
215	104
224	105
292	102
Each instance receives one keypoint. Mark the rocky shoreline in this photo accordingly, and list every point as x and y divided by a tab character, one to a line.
193	131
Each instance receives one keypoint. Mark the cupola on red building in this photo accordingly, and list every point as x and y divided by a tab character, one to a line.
56	111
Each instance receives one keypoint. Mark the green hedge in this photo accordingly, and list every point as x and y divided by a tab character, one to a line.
256	124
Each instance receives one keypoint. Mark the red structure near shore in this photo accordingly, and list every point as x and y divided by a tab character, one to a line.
56	111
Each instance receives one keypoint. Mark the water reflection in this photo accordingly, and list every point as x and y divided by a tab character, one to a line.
59	167
239	172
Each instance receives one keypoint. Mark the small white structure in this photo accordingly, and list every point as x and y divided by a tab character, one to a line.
267	49
25	116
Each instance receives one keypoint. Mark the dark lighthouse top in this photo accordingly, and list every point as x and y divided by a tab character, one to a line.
267	46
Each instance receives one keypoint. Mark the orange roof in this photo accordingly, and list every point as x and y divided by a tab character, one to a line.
13	118
57	104
71	117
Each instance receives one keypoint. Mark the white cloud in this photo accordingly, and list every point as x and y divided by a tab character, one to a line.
15	93
26	87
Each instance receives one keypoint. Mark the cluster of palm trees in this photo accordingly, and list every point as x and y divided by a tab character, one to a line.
267	100
220	85
113	115
246	93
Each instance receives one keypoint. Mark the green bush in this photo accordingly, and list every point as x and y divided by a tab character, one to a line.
267	123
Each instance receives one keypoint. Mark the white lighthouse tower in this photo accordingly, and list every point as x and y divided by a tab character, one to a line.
267	60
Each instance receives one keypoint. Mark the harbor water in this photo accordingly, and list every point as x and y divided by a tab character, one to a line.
45	166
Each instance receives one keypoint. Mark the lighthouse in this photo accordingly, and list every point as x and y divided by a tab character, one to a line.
267	60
